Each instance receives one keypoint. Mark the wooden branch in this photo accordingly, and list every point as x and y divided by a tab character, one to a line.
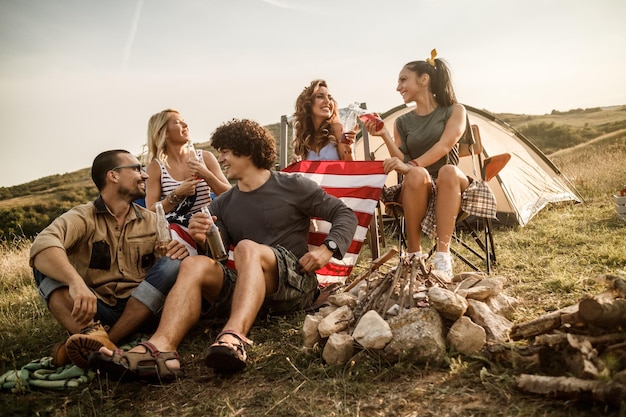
376	263
555	339
606	315
573	388
541	325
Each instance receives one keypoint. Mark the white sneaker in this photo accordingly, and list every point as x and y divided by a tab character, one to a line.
443	264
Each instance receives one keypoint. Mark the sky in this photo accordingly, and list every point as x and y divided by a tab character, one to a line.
78	77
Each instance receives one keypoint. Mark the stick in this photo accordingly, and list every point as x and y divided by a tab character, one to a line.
376	263
581	389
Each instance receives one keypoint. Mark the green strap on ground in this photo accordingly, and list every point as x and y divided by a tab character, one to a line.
41	373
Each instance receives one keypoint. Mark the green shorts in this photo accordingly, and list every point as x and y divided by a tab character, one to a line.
296	291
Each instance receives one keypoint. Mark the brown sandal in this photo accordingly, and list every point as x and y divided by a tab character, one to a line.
226	357
150	364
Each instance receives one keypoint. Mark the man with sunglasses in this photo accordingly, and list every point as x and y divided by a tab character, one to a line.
95	266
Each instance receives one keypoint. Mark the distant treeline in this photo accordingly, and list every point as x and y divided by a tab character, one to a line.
30	219
550	137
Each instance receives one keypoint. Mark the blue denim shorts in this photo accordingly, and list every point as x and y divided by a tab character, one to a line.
296	291
151	291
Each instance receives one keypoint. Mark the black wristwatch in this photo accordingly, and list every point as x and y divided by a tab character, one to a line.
331	245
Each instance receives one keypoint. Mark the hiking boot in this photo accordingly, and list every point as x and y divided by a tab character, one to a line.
90	339
443	264
59	354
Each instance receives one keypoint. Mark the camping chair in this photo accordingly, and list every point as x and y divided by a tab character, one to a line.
481	244
374	238
358	184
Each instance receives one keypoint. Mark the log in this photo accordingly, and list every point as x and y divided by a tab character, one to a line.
583	360
556	339
606	315
541	325
610	392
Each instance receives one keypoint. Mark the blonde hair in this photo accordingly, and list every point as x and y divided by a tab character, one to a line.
157	133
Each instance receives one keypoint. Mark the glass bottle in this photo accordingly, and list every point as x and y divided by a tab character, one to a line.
214	239
163	232
193	155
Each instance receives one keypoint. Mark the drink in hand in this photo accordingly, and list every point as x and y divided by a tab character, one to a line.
214	239
373	117
164	234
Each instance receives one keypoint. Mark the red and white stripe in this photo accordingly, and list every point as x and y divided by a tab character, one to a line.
359	185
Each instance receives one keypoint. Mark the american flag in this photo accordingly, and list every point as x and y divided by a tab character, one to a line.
359	185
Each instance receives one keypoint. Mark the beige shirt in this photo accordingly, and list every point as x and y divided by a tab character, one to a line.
112	261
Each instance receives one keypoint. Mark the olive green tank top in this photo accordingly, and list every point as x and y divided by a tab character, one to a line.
420	133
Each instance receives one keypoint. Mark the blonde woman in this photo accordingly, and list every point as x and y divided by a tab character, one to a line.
317	126
182	183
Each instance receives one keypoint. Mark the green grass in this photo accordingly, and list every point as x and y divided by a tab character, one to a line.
551	263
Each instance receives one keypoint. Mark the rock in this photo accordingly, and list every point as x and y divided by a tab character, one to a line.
394	310
326	310
420	296
496	326
466	337
343	299
502	304
417	337
372	331
336	321
440	276
486	288
309	330
468	279
447	303
338	349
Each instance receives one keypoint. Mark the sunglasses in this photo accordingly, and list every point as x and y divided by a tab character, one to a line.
137	167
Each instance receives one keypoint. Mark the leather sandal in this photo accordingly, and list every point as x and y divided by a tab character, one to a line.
150	364
226	357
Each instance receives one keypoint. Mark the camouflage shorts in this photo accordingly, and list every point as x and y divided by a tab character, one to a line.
296	291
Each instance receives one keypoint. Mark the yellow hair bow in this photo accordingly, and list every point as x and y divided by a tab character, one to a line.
431	60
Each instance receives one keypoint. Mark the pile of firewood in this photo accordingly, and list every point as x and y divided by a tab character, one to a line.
581	348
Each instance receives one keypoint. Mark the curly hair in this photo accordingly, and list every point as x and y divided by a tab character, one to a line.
440	80
306	137
157	133
246	138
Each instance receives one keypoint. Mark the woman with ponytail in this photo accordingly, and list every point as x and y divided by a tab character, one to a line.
424	150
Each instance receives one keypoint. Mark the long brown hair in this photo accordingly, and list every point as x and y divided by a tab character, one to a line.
306	137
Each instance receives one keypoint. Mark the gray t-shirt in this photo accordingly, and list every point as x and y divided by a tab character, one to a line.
420	133
279	212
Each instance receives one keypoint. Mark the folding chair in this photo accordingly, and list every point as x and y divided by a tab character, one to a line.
358	184
484	248
481	245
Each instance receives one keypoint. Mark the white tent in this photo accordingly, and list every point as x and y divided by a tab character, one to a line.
525	185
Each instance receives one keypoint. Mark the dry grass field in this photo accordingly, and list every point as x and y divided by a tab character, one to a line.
549	264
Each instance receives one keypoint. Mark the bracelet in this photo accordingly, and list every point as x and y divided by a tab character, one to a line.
172	198
413	163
